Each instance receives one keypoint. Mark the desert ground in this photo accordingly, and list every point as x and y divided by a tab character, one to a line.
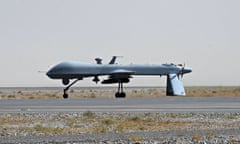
109	92
134	128
127	127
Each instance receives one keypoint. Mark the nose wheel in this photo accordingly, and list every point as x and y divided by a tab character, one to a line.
120	93
65	95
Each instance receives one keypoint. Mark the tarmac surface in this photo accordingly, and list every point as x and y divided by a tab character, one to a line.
167	104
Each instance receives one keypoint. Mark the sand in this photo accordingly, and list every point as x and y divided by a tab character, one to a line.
109	92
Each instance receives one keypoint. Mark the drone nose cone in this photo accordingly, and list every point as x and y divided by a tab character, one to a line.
50	73
187	70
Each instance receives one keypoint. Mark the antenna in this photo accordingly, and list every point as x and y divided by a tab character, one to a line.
113	60
98	60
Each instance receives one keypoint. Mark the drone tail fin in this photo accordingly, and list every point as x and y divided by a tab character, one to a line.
174	86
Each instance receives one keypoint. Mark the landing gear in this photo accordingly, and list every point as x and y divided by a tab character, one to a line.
65	95
120	93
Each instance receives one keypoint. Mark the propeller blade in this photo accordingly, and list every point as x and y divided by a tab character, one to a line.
182	71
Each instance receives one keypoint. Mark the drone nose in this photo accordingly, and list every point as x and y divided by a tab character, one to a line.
49	73
187	70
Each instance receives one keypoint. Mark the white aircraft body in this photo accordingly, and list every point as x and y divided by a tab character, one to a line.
117	73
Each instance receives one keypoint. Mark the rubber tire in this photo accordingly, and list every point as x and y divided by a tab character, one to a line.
65	96
117	95
120	95
123	95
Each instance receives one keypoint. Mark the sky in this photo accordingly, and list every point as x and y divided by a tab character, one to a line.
37	34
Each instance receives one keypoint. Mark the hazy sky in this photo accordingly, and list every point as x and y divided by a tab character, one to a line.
36	34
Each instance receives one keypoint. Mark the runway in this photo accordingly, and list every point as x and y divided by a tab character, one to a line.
168	104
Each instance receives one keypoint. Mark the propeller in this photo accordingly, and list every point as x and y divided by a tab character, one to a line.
182	70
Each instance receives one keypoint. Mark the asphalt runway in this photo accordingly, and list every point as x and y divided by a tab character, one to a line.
168	104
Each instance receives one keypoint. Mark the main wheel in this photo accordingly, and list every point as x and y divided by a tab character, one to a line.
65	96
122	95
117	95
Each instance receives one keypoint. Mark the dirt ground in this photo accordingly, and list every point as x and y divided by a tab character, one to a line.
143	92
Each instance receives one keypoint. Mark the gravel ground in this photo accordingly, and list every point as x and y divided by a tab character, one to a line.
89	127
201	137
